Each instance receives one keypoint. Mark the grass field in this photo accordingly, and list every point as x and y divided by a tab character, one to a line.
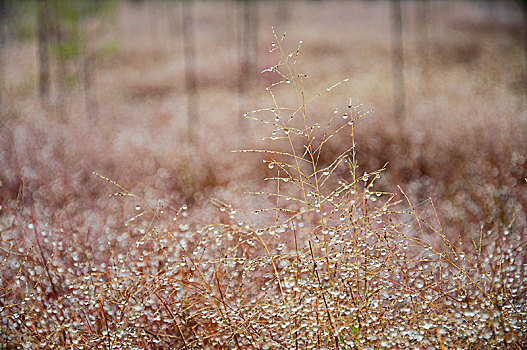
336	224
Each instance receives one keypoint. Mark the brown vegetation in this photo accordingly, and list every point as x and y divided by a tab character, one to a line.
359	230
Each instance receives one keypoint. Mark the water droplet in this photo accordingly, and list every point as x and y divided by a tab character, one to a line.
345	116
325	173
287	81
137	207
270	166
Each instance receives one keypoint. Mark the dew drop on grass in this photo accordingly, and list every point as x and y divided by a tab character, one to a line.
270	166
325	173
137	207
345	116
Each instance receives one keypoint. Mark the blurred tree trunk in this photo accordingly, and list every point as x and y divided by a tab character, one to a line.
152	19
3	30
88	77
189	47
60	42
397	59
174	20
58	37
248	49
283	12
43	19
524	80
421	15
524	10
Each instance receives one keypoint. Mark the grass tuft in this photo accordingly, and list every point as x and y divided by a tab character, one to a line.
327	260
